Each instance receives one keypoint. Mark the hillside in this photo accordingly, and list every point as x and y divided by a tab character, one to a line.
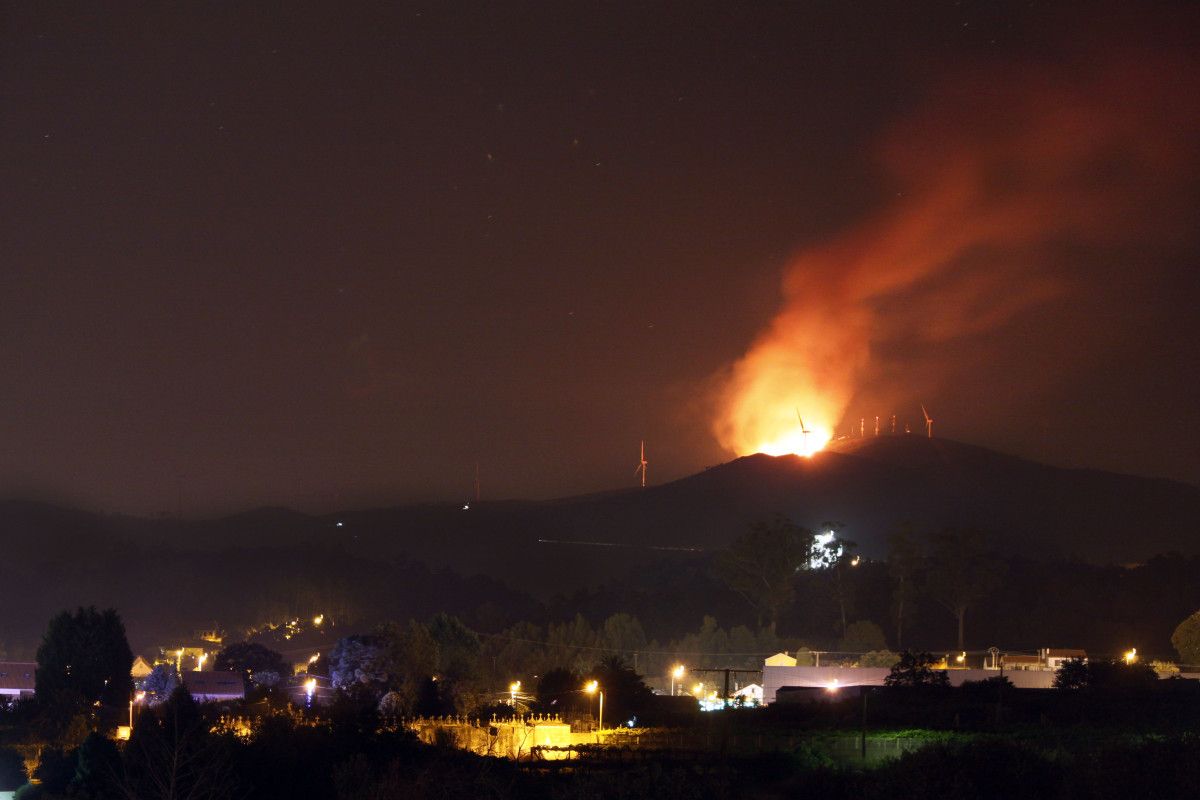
241	567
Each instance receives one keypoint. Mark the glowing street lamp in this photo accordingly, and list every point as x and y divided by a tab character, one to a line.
310	688
1131	655
593	687
676	675
513	688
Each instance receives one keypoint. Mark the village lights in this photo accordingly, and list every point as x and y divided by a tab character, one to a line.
593	687
1131	655
677	674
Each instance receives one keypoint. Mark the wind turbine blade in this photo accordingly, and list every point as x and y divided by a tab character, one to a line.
926	413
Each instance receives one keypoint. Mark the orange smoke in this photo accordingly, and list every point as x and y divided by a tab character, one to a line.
990	182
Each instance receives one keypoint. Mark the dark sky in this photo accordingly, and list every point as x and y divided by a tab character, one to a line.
262	254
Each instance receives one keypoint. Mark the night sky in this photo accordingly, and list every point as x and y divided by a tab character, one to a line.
259	254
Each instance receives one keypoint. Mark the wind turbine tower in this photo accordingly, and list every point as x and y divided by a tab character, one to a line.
928	423
804	432
642	465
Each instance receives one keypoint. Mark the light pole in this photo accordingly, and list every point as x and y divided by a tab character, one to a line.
513	688
593	687
676	675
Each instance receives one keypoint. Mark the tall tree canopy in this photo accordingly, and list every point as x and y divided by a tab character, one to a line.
761	564
84	658
1186	640
962	570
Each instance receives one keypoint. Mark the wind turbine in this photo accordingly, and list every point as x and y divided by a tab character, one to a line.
642	465
876	424
928	423
804	432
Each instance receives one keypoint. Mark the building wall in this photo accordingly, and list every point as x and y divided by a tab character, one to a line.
822	677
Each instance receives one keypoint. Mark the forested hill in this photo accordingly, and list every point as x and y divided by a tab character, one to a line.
269	561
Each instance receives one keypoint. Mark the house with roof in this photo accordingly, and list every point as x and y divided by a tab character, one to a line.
214	687
17	678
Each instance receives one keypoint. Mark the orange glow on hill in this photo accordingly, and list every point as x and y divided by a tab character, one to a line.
797	442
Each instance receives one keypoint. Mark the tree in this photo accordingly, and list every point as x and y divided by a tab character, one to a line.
622	635
160	683
12	770
861	637
357	660
625	693
916	669
1079	674
1186	640
97	765
834	557
84	659
761	564
252	659
558	691
962	571
904	565
172	754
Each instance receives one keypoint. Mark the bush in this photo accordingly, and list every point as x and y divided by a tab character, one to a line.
12	770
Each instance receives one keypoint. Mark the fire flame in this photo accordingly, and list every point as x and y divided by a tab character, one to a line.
992	186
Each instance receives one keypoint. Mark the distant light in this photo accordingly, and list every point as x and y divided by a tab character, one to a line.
318	619
466	507
591	686
854	561
698	689
631	722
514	687
961	657
310	688
1131	655
339	524
313	658
832	686
679	671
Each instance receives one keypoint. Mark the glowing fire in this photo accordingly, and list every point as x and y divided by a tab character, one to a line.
797	442
972	242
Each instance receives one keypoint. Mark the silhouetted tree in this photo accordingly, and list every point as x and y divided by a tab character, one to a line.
916	669
172	755
835	558
160	683
904	565
1186	639
962	571
761	564
12	770
1078	674
558	691
84	659
862	636
97	769
625	693
250	659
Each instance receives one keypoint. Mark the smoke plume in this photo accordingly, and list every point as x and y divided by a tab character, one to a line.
991	181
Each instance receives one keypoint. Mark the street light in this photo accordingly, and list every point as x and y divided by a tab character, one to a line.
1131	655
513	688
676	675
593	687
